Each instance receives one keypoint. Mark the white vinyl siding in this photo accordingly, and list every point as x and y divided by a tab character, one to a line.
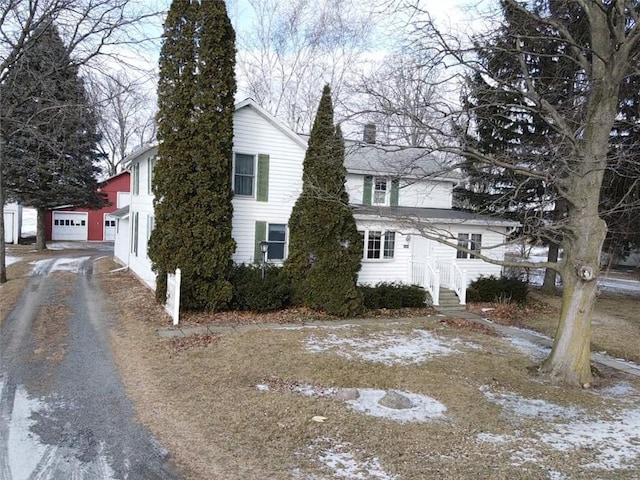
254	135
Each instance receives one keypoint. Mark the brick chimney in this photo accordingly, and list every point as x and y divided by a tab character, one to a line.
369	133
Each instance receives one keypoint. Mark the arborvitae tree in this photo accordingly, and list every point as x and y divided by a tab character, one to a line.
191	181
49	130
325	247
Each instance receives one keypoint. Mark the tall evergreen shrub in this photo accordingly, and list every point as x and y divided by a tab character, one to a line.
191	181
325	247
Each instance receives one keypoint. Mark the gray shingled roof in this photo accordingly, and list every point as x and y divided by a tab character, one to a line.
438	215
398	161
121	212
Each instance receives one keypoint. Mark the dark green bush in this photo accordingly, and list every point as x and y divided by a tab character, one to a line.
251	292
491	289
393	295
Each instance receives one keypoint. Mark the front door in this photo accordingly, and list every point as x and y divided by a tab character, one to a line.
421	249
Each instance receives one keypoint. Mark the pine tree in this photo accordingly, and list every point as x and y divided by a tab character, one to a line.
325	247
191	181
49	129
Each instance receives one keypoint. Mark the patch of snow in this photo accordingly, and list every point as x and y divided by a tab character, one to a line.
9	260
613	442
617	440
535	351
554	475
530	407
311	391
343	464
619	391
262	387
393	347
487	309
425	408
40	267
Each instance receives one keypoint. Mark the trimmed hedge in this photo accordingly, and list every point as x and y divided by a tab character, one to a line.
251	292
491	289
393	296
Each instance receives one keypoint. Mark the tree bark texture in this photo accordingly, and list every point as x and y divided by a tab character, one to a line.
41	242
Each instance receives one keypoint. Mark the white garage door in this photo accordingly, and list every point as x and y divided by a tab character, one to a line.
109	228
69	226
9	218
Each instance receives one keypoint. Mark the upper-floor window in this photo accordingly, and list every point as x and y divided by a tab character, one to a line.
243	174
378	244
471	242
135	178
151	163
380	189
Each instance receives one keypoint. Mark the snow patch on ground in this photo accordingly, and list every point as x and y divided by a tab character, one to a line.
519	406
9	260
339	458
390	348
613	441
58	265
424	409
533	350
623	391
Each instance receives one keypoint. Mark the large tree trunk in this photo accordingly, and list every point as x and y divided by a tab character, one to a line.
549	283
41	242
569	361
3	249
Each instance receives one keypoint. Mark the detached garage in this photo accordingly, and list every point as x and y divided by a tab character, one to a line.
81	224
70	226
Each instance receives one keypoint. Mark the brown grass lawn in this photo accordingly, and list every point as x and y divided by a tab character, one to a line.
615	323
199	397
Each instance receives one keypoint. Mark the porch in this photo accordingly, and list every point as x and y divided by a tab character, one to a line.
439	278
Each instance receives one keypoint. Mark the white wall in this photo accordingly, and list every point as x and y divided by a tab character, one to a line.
421	194
12	222
121	243
253	135
142	205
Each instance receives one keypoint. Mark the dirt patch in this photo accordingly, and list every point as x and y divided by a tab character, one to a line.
464	324
206	406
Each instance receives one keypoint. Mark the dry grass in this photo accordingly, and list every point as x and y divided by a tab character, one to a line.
615	323
200	400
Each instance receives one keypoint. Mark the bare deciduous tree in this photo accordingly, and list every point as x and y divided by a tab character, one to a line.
597	44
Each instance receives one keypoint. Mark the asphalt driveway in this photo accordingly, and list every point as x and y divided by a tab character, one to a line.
63	410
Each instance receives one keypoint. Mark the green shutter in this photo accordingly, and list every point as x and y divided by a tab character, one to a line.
395	192
261	234
366	193
262	194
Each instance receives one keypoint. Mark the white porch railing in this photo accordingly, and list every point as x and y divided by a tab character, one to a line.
423	274
446	274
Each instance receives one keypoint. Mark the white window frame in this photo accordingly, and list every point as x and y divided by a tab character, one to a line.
386	249
135	224
151	162
135	178
254	175
151	223
384	191
283	243
470	241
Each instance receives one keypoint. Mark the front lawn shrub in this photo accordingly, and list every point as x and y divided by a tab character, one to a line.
492	289
251	292
393	296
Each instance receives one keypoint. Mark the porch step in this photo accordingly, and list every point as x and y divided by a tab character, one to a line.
449	301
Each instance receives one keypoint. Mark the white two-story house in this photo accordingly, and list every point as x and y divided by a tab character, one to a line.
401	198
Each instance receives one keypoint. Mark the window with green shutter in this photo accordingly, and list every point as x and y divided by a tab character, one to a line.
366	191
395	192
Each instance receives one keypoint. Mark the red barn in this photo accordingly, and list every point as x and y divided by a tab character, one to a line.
73	223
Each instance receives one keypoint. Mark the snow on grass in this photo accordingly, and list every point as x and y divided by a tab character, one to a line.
623	391
338	457
613	442
519	406
390	348
424	409
9	260
535	351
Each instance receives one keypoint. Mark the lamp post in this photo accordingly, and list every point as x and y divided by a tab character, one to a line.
264	247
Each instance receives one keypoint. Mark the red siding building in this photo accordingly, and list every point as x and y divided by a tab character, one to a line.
73	223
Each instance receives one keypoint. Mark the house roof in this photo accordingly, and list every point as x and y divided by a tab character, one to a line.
113	177
407	162
434	215
121	212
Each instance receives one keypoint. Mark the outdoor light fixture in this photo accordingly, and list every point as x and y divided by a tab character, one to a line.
264	247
